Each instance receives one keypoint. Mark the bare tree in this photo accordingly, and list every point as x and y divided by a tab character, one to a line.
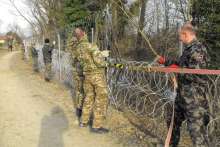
141	26
47	15
21	13
166	9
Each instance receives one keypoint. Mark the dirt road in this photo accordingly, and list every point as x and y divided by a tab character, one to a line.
34	113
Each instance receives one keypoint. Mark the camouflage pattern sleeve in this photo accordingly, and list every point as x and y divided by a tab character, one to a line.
199	58
99	56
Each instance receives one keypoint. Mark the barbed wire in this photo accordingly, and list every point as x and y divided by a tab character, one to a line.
148	94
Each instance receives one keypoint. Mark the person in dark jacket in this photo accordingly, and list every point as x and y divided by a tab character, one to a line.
34	54
47	56
191	103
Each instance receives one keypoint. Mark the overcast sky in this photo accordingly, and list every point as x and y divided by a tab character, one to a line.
9	16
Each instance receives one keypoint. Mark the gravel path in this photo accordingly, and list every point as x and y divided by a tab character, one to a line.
34	113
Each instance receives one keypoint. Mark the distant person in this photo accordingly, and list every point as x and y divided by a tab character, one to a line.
34	54
10	44
47	56
78	76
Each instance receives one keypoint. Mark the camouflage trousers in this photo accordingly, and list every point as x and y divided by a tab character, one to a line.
79	94
23	54
191	105
47	72
96	100
35	64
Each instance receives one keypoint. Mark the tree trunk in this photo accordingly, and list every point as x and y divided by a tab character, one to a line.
157	16
166	15
139	39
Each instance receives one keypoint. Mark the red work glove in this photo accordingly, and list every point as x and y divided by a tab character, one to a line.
173	66
161	60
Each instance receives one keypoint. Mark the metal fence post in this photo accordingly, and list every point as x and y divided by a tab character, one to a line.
180	43
59	55
92	35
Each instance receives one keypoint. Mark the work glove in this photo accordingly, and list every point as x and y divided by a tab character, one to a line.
173	66
161	60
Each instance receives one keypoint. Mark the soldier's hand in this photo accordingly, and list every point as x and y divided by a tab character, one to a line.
161	60
105	53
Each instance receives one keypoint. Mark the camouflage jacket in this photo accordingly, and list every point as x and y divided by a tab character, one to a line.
47	53
194	56
34	52
90	57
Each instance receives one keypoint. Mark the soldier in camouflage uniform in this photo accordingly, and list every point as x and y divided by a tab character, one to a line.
47	56
34	54
78	77
93	62
191	103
